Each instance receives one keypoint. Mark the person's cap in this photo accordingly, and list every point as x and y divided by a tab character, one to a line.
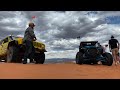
112	36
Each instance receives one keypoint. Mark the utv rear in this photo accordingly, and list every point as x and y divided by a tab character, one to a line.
90	52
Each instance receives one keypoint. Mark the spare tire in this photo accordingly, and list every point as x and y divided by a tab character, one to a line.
92	52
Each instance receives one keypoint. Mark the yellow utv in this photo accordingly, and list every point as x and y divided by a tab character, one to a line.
12	49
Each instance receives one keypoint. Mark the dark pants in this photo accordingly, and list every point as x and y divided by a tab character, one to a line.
29	51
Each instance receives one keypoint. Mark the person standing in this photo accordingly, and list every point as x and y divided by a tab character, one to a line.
28	39
114	48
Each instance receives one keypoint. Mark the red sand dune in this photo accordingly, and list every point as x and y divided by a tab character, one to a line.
58	71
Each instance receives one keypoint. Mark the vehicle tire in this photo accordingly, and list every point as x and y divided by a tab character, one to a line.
39	58
95	61
109	59
104	63
12	54
87	62
79	58
19	59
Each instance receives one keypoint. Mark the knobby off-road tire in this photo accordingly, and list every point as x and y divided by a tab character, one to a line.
12	54
39	58
108	58
79	58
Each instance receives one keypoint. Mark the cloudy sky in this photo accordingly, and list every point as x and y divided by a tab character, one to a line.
59	29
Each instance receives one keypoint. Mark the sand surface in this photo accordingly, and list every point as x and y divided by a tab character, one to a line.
58	71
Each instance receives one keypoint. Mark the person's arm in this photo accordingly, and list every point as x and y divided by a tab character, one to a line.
31	32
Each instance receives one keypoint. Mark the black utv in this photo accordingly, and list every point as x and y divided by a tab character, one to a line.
90	52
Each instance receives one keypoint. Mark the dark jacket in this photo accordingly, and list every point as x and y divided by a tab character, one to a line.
113	43
29	34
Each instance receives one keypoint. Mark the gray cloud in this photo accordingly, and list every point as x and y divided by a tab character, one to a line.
6	14
59	29
80	28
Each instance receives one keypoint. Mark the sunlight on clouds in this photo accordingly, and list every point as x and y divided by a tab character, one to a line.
65	42
61	19
93	18
6	20
19	35
11	20
61	54
11	28
101	27
19	20
89	39
47	34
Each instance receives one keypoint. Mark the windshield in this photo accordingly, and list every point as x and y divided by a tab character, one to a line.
89	44
13	37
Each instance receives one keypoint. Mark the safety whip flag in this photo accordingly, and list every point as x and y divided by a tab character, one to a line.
33	17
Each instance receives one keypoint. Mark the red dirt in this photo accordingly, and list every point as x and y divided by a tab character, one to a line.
58	71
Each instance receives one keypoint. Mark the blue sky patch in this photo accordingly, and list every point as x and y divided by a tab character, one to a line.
113	20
